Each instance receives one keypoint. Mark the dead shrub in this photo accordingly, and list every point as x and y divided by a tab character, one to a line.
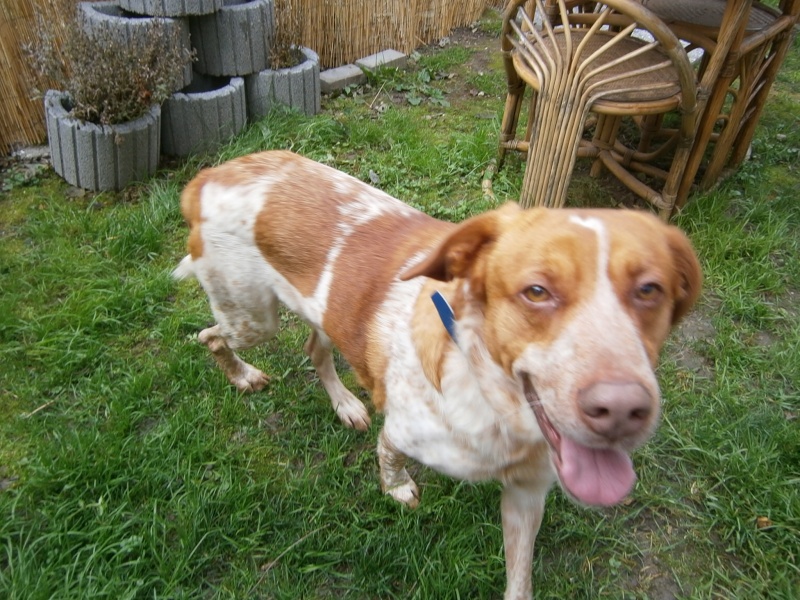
284	52
109	78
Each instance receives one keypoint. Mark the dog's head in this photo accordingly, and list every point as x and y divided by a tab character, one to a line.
575	306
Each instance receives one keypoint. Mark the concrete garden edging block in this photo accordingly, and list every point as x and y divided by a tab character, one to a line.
389	58
203	116
101	157
96	16
234	40
338	78
171	8
297	87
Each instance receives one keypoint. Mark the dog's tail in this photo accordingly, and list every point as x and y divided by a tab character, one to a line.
185	269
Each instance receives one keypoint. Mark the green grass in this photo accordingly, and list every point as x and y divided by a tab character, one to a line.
129	468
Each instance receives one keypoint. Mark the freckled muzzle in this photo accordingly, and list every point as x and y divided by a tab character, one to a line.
594	476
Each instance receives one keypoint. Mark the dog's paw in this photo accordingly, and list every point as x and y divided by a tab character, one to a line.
407	494
353	414
250	379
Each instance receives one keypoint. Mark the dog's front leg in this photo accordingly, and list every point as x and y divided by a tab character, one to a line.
521	508
395	480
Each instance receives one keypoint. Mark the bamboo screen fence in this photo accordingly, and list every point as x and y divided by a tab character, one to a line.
340	31
21	116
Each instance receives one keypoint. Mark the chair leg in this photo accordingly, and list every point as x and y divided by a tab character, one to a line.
649	127
716	76
705	129
742	142
732	125
555	136
508	126
605	135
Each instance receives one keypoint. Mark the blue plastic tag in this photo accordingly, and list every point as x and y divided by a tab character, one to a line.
445	313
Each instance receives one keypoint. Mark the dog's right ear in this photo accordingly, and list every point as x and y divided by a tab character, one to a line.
687	271
456	256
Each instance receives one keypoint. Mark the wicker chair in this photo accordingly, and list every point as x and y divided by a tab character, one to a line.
751	58
585	59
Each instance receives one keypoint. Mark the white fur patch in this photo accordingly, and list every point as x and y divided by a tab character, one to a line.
470	430
244	297
370	204
363	209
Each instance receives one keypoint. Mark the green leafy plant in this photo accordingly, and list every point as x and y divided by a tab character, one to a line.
416	88
109	79
19	176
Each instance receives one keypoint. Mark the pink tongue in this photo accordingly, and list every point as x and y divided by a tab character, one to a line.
597	477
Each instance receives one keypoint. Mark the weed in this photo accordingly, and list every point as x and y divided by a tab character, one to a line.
21	175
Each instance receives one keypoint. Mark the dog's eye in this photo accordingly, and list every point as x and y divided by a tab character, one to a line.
648	292
536	294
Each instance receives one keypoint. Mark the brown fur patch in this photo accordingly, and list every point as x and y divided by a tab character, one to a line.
350	315
431	338
190	208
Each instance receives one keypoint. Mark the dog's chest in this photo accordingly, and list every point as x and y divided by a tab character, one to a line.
457	431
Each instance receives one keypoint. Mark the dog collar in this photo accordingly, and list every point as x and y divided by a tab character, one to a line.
445	313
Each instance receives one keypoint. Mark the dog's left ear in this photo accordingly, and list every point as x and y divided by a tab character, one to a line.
456	256
688	273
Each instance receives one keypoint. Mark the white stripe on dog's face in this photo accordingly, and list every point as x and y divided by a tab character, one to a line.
601	340
603	307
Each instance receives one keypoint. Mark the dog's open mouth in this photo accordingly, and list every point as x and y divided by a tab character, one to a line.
594	476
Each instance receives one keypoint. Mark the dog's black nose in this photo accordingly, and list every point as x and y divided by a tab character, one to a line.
615	409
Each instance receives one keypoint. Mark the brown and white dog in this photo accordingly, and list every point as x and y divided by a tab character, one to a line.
557	319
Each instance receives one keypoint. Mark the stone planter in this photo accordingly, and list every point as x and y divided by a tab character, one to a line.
97	16
203	116
297	87
236	39
171	8
101	157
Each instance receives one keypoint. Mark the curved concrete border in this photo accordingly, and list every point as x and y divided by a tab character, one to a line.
297	87
203	116
101	157
236	39
98	15
171	8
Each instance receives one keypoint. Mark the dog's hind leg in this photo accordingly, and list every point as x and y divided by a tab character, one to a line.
244	376
240	327
395	480
350	410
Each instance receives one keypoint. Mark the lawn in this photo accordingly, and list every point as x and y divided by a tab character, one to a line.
130	468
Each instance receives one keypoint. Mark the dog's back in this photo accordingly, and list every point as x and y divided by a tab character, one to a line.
275	226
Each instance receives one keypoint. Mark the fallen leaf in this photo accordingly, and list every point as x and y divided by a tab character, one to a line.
763	522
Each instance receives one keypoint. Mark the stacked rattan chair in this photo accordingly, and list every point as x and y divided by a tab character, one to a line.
749	55
614	59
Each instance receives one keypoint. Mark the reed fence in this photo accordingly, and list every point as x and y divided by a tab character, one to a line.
340	31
